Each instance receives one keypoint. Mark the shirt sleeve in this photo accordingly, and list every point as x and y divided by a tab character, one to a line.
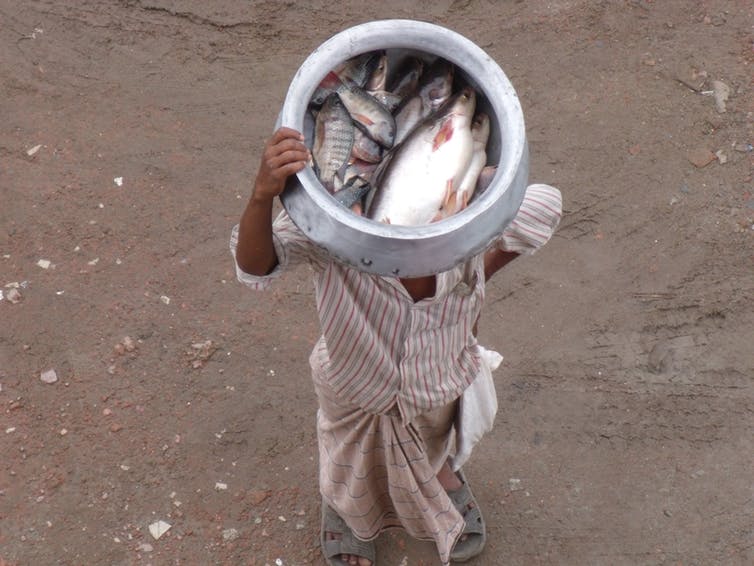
536	221
291	247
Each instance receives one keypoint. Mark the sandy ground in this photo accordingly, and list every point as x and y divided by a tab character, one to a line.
625	431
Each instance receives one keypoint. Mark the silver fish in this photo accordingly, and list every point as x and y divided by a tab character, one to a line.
418	178
333	141
369	114
435	87
480	133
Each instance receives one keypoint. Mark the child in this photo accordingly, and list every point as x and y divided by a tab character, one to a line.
393	360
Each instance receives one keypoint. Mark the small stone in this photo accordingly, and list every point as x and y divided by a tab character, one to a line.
145	547
721	92
701	157
124	467
107	412
44	263
13	295
111	369
158	528
95	261
667	513
281	519
514	484
115	427
118	181
220	486
721	157
49	376
10	429
258	495
129	344
278	562
31	151
743	147
63	431
165	299
230	534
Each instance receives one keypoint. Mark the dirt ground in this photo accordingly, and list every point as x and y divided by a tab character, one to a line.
130	132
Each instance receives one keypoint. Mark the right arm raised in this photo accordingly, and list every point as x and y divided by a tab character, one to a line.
284	154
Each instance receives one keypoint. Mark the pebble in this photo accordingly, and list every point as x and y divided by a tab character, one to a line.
146	547
701	157
514	484
721	157
63	431
13	295
118	181
721	92
128	344
49	376
220	486
44	263
31	151
159	528
165	299
230	534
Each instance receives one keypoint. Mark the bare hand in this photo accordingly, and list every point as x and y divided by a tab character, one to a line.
284	155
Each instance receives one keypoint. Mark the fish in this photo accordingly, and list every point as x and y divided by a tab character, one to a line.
404	81
365	148
485	178
387	99
434	88
368	114
480	133
418	177
333	141
353	192
354	71
378	78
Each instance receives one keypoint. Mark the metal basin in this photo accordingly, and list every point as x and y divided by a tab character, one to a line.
411	251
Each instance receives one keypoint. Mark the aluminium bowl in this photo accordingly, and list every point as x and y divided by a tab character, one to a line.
410	251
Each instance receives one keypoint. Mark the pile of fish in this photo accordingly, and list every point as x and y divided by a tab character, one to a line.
399	146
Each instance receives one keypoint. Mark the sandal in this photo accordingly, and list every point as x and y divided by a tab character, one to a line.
347	544
474	528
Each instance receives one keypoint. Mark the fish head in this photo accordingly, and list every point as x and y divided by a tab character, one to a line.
464	103
437	84
378	78
480	128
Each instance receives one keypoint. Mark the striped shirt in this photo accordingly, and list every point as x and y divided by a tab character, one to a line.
379	349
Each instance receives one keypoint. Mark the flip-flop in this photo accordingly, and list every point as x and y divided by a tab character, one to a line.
347	544
474	528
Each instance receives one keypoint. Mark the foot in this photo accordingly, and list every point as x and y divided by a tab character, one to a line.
474	536
339	545
350	559
450	481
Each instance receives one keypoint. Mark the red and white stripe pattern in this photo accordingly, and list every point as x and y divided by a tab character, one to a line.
381	350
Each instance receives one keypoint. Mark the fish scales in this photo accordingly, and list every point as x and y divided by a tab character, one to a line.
333	140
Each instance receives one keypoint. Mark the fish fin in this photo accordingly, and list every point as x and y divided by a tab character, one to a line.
444	135
364	119
449	192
